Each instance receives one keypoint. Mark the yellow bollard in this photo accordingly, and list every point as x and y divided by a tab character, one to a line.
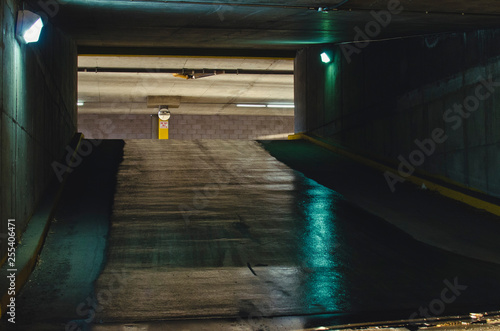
162	129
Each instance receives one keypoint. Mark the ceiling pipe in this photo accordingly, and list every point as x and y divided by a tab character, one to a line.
184	70
238	4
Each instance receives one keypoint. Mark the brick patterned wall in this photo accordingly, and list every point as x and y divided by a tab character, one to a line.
228	126
186	127
107	126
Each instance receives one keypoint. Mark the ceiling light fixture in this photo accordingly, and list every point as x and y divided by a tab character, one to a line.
164	113
325	58
80	103
281	106
250	105
29	26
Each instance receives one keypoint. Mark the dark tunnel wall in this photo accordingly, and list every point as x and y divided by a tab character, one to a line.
38	115
378	100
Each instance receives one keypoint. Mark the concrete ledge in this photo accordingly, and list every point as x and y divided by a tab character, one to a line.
450	192
32	240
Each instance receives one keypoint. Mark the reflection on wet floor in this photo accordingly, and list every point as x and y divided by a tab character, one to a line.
222	229
320	242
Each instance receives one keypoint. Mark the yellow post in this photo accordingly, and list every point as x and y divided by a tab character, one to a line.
162	129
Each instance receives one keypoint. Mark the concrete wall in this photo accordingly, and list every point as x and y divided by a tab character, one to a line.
379	99
38	115
183	126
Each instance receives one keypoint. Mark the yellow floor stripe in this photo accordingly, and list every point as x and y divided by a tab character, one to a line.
450	193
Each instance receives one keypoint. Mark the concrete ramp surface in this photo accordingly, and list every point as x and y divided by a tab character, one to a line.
210	229
221	229
221	235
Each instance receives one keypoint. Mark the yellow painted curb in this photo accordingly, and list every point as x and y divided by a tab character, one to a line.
295	136
447	192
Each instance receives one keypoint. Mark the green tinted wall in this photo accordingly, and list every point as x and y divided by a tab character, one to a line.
38	114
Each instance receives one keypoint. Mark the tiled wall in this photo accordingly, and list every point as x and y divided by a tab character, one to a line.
186	126
98	126
228	126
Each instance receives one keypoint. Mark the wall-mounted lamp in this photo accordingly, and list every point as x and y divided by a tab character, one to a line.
325	58
164	113
29	26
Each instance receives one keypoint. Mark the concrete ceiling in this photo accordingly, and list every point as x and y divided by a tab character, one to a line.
250	28
253	24
126	92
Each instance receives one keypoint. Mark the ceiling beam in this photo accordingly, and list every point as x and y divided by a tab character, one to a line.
185	70
196	52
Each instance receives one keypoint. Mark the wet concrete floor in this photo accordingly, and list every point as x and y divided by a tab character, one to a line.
222	229
75	247
208	229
